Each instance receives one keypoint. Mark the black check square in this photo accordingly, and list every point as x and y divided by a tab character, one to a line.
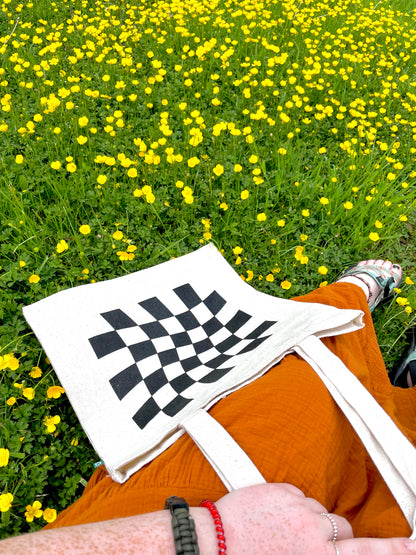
193	339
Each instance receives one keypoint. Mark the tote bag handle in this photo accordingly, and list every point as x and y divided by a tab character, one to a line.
391	451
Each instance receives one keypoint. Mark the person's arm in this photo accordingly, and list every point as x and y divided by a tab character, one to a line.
276	519
149	533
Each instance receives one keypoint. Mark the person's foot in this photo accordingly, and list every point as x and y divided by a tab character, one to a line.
377	278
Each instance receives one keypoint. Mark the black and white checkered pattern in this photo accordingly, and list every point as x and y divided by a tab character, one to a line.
173	351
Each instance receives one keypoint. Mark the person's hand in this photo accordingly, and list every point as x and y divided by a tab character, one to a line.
279	519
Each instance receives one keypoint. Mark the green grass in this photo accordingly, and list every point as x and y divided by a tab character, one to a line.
105	107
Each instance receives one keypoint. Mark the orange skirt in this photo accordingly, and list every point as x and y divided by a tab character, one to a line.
289	425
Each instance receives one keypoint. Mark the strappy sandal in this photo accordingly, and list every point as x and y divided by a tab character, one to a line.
407	365
386	279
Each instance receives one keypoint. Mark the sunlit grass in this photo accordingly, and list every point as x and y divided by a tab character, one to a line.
135	132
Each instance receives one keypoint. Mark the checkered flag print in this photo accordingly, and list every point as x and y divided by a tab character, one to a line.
175	350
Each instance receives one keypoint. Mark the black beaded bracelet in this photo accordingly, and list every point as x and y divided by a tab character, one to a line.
184	534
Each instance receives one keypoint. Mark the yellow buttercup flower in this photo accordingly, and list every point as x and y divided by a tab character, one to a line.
36	372
55	391
51	422
71	167
33	511
83	121
218	170
101	179
132	172
286	284
62	246
49	515
29	393
194	161
4	457
5	502
85	229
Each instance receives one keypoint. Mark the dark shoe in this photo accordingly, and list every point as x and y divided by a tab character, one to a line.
407	364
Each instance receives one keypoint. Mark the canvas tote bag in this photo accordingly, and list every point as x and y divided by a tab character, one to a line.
143	357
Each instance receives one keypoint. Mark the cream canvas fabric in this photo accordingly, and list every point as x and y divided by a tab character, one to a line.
141	355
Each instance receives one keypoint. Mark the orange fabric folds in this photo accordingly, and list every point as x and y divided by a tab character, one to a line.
290	427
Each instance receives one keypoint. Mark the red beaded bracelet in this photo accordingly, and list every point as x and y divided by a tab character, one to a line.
222	548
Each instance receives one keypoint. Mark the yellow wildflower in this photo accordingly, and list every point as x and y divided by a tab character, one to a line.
33	511
5	502
71	167
55	391
85	229
218	170
51	422
49	515
62	246
83	121
101	179
36	372
4	457
194	161
9	361
29	393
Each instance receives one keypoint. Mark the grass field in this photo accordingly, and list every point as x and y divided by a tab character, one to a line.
133	132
